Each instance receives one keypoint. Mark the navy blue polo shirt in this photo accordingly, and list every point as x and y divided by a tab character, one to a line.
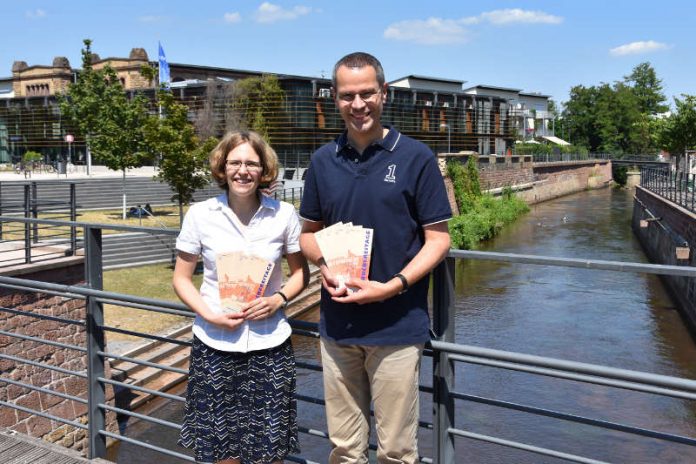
395	188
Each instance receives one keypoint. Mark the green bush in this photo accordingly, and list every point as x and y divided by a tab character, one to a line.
481	216
465	179
620	175
31	157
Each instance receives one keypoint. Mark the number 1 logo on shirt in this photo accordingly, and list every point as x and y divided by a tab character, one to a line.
390	177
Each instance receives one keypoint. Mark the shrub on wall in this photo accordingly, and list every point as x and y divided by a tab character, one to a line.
482	216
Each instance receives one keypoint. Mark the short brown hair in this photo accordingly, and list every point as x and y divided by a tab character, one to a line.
359	60
231	140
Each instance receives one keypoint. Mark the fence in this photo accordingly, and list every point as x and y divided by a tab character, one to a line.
446	356
28	243
675	186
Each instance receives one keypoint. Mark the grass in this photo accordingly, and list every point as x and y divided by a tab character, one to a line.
164	217
153	281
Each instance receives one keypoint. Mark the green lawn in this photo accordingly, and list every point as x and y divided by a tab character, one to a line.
153	281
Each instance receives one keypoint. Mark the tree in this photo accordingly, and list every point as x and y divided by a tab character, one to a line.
678	132
183	159
647	89
259	102
111	122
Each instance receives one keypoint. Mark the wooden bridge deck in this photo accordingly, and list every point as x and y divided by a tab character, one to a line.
16	448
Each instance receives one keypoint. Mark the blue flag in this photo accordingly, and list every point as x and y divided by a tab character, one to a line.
163	68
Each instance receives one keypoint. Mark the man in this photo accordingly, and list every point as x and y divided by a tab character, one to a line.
372	338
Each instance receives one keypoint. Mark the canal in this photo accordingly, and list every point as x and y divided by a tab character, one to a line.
623	320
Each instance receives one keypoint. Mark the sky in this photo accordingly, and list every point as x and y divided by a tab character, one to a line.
536	46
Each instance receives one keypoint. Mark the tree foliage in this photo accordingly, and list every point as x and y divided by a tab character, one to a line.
183	159
647	88
111	122
677	133
616	118
259	101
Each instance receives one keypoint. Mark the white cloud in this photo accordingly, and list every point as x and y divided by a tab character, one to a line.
516	15
232	17
270	13
36	14
432	31
638	48
437	31
151	19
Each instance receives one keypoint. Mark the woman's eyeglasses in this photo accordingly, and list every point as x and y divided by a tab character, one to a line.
236	165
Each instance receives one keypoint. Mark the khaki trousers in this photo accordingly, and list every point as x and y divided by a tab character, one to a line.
354	374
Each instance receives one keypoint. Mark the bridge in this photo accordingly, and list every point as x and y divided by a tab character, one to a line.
87	360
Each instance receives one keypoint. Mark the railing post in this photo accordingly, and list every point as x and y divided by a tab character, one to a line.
73	218
27	225
95	343
1	223
443	367
35	210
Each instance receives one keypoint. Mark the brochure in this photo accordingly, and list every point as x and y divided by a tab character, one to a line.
346	248
241	278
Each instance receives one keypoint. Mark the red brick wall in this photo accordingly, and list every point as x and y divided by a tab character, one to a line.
660	244
44	304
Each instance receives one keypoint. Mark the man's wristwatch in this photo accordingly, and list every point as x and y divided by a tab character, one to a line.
285	299
404	282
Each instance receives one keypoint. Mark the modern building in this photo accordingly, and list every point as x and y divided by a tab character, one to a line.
437	111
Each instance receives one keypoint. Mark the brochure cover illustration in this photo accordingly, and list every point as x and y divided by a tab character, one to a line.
346	249
241	278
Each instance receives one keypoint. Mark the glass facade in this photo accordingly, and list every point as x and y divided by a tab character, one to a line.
305	119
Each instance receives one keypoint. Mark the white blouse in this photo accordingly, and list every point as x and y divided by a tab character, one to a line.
209	228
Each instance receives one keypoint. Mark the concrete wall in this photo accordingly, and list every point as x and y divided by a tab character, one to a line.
660	239
71	334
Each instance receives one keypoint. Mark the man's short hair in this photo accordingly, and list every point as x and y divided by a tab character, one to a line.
359	60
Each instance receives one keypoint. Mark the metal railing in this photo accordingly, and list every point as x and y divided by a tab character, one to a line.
37	241
675	186
565	157
291	195
447	357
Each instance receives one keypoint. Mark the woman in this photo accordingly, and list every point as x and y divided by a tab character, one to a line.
240	406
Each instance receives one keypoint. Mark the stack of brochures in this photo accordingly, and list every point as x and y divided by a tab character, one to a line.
346	249
241	278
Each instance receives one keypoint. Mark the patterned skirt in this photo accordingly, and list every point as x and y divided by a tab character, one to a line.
240	405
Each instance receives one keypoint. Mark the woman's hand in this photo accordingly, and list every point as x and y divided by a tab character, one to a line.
262	308
229	321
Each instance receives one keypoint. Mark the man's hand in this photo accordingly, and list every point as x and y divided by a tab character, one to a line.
368	291
330	283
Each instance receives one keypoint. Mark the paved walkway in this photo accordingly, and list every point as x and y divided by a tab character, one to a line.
103	172
79	172
16	448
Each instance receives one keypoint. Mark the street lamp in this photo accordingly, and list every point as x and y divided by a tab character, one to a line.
449	136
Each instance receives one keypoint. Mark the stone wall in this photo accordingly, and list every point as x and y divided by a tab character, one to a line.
553	180
72	334
534	182
660	238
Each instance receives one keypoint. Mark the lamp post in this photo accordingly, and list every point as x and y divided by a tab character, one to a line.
449	136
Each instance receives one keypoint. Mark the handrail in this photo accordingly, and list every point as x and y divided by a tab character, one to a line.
446	355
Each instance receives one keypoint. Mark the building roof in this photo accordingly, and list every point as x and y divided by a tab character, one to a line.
555	140
535	94
493	87
428	78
